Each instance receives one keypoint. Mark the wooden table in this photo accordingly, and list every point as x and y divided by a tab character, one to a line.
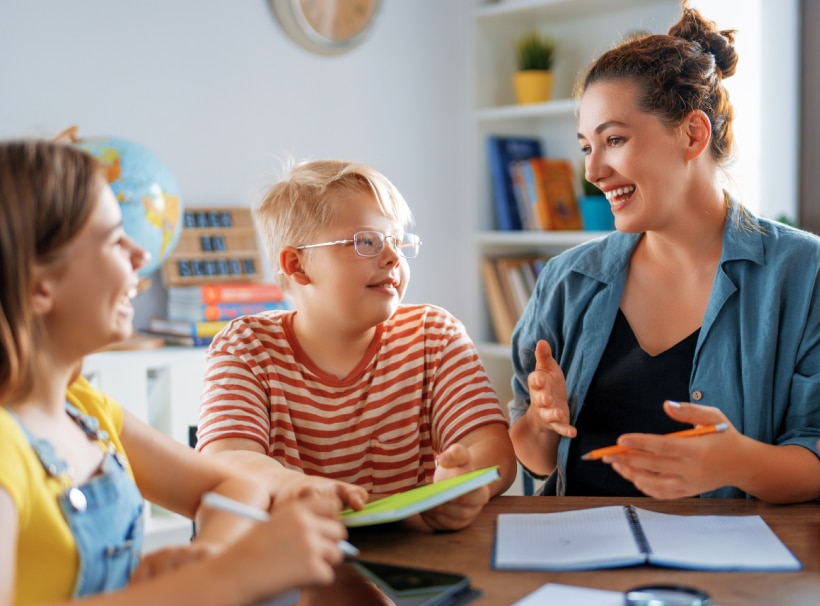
468	551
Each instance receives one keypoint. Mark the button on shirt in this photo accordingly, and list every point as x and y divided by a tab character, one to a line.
758	353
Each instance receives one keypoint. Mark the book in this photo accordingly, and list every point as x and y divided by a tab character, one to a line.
225	292
404	504
617	536
184	328
212	312
516	291
533	174
501	152
500	313
187	341
559	195
522	191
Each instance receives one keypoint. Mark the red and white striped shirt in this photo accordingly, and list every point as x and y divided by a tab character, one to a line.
419	388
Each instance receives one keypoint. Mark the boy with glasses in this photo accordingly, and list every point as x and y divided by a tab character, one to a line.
352	385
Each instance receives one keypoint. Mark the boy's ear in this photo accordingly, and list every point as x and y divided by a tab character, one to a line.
290	264
697	133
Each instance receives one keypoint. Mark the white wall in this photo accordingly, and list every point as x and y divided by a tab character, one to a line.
765	93
219	93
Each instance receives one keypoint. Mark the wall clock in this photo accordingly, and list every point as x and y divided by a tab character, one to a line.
326	27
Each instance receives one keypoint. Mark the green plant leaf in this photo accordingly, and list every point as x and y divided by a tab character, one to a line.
534	51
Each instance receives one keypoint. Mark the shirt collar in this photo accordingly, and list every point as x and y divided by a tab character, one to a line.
742	240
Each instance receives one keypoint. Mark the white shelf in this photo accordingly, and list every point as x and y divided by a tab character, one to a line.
582	29
559	109
513	242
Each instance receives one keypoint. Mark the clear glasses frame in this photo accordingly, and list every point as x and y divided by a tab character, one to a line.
371	244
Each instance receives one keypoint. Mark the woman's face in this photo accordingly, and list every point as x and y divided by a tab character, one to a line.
93	281
635	159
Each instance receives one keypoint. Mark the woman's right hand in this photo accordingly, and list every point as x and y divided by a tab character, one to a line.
548	394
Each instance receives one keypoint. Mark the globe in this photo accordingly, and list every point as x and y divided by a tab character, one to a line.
147	192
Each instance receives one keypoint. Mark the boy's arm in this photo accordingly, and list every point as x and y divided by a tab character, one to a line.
488	445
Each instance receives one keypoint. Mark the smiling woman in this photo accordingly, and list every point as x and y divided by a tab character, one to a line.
627	337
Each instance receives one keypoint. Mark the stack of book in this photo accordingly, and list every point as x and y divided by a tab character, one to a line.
509	283
197	312
531	191
544	190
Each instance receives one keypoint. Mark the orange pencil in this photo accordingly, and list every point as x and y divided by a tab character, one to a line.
700	430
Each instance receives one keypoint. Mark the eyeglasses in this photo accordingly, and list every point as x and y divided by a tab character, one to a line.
371	244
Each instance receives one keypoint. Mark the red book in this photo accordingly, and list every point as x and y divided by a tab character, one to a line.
226	292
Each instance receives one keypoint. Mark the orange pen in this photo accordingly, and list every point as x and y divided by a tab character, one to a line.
700	430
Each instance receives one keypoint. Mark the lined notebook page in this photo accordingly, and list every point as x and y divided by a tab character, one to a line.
714	542
600	537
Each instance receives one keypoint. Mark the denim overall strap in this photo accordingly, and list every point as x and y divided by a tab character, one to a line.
105	514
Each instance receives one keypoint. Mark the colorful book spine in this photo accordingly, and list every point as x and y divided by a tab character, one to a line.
164	326
501	152
213	312
226	292
558	180
187	341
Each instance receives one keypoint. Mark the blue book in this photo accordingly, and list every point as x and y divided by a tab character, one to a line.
501	152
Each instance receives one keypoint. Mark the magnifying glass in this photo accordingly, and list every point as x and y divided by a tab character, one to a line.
667	595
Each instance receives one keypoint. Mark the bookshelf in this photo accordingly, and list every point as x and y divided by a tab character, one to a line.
582	29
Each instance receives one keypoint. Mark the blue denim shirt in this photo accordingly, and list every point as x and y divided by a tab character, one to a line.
758	353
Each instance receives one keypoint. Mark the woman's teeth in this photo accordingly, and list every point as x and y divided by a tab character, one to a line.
615	193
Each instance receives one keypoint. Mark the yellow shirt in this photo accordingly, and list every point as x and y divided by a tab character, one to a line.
47	560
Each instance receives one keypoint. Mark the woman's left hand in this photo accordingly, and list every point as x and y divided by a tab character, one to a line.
669	467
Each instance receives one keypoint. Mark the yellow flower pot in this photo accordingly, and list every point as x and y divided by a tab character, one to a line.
532	86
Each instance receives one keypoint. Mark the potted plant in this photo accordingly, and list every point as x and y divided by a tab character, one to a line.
596	214
535	55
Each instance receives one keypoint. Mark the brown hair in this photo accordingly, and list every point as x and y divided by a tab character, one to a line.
47	191
300	205
678	72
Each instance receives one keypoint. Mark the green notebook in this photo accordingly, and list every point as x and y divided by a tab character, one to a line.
404	504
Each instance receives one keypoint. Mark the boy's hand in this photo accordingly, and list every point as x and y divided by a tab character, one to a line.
460	512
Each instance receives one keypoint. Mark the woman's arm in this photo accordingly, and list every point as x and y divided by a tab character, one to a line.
536	434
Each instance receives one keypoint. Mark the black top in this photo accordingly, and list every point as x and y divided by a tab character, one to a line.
626	396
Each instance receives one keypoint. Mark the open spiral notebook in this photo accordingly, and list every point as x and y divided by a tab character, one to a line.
616	536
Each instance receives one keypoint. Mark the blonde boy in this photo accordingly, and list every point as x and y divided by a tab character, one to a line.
352	385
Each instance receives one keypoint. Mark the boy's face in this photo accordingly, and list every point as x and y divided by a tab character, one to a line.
360	292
